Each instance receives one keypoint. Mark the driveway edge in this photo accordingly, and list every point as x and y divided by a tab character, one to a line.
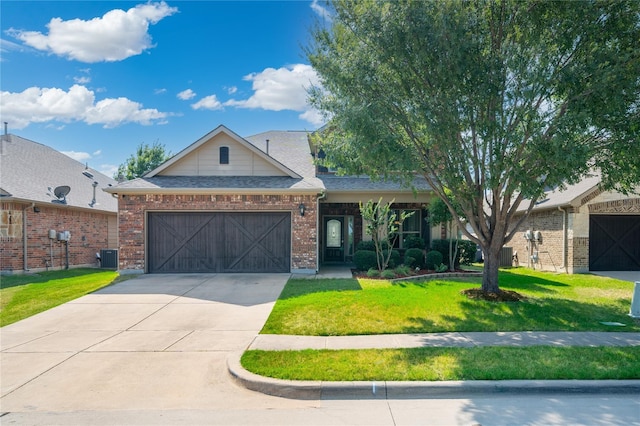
306	390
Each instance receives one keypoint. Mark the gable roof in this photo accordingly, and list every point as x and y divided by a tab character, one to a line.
30	172
569	196
209	136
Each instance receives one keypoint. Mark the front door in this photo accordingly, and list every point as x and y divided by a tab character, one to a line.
334	239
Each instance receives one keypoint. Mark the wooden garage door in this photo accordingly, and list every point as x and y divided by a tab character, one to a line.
614	243
219	242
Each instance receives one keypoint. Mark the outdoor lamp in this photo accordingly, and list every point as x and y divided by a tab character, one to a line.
301	207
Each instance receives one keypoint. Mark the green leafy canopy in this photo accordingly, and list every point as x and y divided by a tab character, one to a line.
146	158
494	100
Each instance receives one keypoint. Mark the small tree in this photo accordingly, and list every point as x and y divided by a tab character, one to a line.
382	224
439	213
144	160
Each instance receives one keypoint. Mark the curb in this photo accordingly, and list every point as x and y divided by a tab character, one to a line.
306	390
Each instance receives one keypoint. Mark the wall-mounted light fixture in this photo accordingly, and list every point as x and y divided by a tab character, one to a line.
302	208
36	209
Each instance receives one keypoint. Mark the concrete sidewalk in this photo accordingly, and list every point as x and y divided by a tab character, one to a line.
392	390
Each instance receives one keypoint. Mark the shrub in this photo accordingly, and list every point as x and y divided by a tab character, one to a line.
442	268
413	242
394	260
373	273
369	245
467	251
434	258
402	270
414	257
365	260
443	247
388	274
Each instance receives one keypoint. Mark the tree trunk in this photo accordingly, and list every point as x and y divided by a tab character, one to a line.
490	272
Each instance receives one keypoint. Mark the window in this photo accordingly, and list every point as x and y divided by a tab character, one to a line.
409	228
224	155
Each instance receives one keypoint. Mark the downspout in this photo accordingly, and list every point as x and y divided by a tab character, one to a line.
321	197
24	236
564	239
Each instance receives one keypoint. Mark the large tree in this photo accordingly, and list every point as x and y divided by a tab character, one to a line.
146	158
494	100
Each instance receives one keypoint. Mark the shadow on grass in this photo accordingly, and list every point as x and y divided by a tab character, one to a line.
302	287
547	314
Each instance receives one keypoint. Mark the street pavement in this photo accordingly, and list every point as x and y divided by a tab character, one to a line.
158	349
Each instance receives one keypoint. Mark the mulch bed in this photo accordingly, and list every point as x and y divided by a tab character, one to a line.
501	296
363	274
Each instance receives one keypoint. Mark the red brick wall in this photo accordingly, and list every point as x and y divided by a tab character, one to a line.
89	232
133	208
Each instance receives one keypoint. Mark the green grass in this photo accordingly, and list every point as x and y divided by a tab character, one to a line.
22	296
432	364
556	302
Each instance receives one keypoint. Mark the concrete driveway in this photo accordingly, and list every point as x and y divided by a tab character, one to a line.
149	343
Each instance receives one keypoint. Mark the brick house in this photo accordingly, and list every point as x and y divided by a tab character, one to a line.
581	229
256	204
44	193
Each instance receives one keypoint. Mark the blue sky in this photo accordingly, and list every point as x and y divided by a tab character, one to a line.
94	79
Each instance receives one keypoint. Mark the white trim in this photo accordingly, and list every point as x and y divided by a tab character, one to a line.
221	129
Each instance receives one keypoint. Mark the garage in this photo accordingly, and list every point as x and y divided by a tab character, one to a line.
614	243
206	242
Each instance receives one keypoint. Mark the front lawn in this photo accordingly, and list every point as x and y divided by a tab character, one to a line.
555	302
433	364
22	296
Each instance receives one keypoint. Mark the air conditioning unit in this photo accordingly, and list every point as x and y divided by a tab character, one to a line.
109	259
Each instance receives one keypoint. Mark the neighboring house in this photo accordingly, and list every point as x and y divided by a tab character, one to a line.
257	204
581	229
44	193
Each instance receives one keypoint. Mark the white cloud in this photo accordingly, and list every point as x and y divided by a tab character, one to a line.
82	80
114	112
78	156
159	91
282	89
185	95
115	36
313	116
108	169
231	90
39	105
210	102
97	153
321	11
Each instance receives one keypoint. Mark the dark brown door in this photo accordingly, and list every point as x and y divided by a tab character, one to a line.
219	242
614	243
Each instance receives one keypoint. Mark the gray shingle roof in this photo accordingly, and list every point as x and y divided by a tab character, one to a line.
28	169
160	183
364	183
290	148
558	198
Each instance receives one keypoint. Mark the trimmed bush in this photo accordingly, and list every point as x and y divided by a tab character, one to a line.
394	260
413	242
369	245
433	260
388	274
365	260
373	273
402	270
466	251
414	258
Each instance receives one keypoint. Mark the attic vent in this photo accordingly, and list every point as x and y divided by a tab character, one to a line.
224	155
88	174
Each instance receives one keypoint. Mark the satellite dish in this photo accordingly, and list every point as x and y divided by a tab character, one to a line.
61	193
